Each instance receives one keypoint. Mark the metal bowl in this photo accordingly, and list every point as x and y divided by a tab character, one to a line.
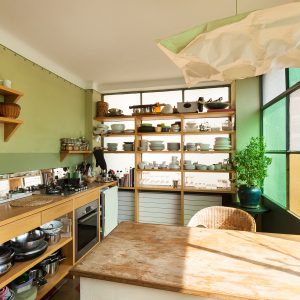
29	240
216	105
115	111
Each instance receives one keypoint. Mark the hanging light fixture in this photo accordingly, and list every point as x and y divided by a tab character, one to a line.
241	46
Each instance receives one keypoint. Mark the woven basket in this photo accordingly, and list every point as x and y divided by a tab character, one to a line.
10	110
102	109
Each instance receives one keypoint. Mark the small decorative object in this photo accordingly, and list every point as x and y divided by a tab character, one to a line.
251	165
10	110
200	104
168	109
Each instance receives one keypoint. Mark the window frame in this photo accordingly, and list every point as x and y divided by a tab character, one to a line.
141	92
286	94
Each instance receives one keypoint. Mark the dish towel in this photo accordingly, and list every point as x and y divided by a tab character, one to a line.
100	161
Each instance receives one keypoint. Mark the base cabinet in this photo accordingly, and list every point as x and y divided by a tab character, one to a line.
66	244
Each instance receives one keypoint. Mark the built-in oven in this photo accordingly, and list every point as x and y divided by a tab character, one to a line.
86	228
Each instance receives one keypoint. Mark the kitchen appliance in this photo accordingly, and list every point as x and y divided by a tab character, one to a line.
109	210
23	255
66	187
187	107
86	228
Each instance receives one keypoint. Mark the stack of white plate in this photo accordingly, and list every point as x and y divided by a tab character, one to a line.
222	143
157	145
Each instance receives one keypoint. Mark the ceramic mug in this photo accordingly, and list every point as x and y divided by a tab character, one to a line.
7	83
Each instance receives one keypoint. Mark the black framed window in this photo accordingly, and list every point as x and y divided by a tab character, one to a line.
280	120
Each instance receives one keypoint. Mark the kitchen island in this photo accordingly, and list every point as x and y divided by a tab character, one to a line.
143	261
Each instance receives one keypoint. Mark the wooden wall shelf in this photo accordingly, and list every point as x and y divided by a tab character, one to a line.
10	95
10	125
64	154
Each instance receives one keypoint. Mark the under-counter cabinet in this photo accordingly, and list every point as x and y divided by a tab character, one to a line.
10	124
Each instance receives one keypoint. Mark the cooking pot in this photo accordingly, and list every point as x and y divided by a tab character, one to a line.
6	259
54	238
51	264
52	227
29	240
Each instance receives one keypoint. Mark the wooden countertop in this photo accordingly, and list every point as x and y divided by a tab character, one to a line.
223	264
10	214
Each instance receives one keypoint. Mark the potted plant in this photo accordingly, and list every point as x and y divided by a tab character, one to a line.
251	165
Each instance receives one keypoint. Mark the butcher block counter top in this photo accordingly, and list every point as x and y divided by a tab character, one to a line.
17	220
9	214
221	264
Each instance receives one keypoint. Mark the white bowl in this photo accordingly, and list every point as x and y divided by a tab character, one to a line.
117	127
102	126
156	142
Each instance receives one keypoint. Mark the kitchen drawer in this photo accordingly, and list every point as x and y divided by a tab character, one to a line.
57	211
87	198
18	227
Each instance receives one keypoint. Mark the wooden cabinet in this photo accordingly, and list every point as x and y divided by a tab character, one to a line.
10	125
67	244
57	211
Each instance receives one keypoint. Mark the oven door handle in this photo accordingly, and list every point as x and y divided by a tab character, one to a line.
80	221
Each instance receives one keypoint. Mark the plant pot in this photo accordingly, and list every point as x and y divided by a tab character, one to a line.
249	196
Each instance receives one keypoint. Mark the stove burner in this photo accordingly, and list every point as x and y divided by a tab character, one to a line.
65	189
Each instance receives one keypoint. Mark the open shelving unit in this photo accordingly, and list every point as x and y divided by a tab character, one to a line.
181	154
21	267
10	125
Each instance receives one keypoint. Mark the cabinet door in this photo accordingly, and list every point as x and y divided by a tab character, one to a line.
110	210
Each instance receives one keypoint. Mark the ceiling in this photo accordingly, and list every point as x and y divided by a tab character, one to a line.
108	45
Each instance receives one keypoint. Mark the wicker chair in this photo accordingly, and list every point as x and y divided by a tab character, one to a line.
220	217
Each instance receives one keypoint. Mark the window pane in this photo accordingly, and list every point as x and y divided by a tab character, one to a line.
207	93
123	101
275	183
273	84
294	76
295	121
168	97
274	125
295	183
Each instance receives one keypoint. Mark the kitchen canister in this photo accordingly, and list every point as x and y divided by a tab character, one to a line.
102	109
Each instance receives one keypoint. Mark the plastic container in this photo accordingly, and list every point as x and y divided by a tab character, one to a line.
22	284
67	227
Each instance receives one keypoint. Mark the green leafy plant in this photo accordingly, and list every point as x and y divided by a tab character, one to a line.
252	163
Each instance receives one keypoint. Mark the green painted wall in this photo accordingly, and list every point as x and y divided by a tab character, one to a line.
51	108
247	110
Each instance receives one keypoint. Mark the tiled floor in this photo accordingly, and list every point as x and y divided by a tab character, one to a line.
69	290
